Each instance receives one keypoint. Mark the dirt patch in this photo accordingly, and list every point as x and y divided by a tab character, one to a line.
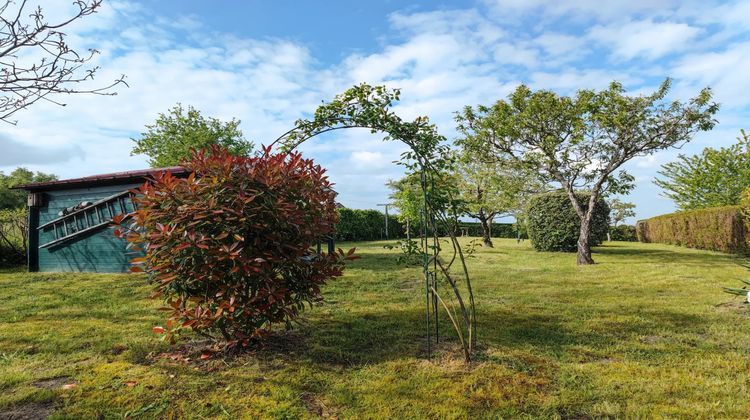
30	411
118	349
316	407
53	383
206	355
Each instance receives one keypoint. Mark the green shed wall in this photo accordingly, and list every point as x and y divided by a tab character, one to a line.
99	252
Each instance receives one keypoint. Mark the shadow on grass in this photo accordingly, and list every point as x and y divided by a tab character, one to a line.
684	256
373	337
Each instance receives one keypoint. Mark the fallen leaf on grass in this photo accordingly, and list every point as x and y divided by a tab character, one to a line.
69	386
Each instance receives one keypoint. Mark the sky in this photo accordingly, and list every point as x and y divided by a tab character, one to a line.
270	63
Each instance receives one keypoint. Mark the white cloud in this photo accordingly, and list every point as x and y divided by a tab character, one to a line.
645	39
442	60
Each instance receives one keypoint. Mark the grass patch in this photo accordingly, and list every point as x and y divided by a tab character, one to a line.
647	332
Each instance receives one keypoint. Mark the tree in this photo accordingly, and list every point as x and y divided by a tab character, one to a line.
172	138
408	199
14	199
491	189
35	60
716	177
620	210
229	247
581	141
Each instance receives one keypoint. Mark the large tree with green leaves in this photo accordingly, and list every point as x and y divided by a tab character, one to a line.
715	177
14	199
491	189
175	134
620	210
581	141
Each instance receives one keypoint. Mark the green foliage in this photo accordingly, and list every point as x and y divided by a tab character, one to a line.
407	197
722	229
411	252
497	230
554	226
366	225
492	188
13	199
430	158
442	188
557	341
229	248
13	226
561	137
716	177
172	138
623	233
619	211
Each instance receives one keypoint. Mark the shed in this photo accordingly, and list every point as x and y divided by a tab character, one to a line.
69	221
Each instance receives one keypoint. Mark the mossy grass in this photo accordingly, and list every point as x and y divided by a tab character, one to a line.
646	332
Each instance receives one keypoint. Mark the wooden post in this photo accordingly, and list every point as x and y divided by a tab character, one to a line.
32	251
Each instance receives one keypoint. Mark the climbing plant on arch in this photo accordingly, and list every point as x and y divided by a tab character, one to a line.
443	267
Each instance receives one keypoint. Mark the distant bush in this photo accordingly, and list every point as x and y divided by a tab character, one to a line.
623	233
499	230
553	224
366	225
722	229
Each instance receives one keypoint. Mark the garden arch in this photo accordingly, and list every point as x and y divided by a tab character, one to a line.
365	106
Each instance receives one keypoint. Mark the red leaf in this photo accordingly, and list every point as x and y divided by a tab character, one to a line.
158	330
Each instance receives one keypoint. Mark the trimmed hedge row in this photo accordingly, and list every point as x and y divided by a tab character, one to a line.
553	224
722	229
366	225
369	225
623	233
499	230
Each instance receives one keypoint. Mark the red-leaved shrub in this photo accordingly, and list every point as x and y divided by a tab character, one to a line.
230	247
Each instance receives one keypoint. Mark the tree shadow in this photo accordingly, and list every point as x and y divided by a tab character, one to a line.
355	339
683	256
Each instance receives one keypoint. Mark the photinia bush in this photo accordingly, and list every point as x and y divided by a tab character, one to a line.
230	247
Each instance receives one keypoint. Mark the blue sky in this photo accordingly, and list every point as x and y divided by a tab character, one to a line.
269	63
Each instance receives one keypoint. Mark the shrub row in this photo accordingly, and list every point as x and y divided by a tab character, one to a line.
553	224
722	229
623	233
366	225
499	230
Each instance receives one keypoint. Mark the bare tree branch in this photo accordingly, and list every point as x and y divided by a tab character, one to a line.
35	60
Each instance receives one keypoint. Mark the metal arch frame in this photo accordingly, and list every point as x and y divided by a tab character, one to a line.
430	264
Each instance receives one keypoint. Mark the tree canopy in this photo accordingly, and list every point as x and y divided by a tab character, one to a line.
581	141
620	210
175	134
489	189
13	199
715	177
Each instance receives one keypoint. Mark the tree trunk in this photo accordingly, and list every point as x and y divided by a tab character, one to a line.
584	248
486	236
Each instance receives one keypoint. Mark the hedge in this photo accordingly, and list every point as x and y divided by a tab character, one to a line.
499	230
722	229
623	233
553	224
366	225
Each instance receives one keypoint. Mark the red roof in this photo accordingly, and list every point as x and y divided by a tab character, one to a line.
114	178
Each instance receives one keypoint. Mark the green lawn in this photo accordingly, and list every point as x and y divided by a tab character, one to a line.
647	332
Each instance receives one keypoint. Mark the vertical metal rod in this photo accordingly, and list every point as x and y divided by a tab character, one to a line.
435	251
425	260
